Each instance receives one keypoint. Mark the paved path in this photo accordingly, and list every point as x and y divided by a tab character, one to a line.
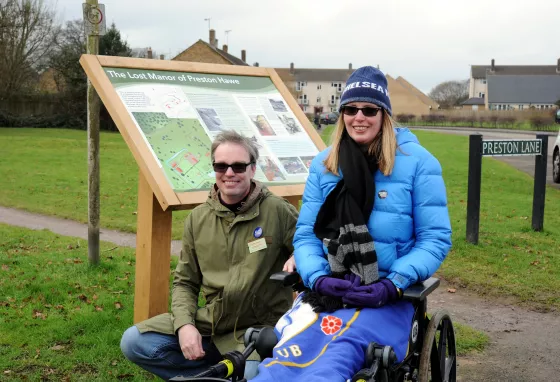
70	228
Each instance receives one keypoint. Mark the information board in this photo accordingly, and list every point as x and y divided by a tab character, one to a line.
169	113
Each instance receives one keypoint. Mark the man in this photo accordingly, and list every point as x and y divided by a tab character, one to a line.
231	246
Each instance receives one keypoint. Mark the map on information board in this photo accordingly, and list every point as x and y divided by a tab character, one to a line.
180	113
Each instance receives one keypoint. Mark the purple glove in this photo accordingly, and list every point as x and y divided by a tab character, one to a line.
372	295
334	287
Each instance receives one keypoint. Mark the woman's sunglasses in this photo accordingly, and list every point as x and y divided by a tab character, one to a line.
237	167
366	111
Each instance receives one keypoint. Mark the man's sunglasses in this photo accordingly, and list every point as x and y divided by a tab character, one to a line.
237	167
366	111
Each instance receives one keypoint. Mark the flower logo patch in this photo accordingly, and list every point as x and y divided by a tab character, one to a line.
331	325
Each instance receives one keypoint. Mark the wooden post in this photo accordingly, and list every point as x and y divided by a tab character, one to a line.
93	106
153	254
539	186
294	200
473	193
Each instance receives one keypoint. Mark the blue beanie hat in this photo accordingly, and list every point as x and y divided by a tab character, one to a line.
367	84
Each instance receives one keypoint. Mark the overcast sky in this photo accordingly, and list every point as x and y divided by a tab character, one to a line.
424	41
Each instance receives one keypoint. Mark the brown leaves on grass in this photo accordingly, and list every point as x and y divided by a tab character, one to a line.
39	314
57	347
118	305
75	261
5	267
126	274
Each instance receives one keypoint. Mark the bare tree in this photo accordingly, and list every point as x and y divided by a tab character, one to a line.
27	31
450	93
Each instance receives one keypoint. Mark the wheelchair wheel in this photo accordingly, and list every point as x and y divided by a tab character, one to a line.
438	360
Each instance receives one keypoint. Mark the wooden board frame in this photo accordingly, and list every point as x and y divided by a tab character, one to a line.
93	66
156	197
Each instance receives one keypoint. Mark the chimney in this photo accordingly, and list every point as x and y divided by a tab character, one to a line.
216	43
493	67
243	55
292	70
224	48
256	64
162	57
558	66
350	66
212	38
149	53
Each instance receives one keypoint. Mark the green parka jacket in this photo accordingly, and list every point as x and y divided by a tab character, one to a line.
217	261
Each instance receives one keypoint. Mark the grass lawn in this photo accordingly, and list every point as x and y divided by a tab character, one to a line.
45	170
62	320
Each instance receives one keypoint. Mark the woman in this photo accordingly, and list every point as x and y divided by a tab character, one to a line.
373	221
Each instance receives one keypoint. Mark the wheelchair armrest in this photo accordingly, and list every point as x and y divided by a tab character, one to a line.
286	278
421	290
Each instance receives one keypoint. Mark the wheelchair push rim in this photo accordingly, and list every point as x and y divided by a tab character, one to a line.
438	360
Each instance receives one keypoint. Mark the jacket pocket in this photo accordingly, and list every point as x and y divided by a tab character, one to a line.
208	317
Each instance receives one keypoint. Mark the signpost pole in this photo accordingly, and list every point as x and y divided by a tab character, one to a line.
93	107
540	184
473	198
153	254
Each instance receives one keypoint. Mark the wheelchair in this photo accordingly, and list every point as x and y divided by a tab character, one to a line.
431	352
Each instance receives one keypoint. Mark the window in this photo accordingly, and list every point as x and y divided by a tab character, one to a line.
318	99
300	85
484	81
337	85
480	95
318	88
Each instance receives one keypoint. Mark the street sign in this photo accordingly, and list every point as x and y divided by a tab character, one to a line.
506	147
94	19
511	147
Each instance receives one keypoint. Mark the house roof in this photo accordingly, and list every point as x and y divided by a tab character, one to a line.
314	75
523	89
423	97
481	71
229	57
474	101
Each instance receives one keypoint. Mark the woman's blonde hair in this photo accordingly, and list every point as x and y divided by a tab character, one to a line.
384	145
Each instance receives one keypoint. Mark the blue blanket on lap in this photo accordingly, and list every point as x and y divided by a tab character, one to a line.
331	346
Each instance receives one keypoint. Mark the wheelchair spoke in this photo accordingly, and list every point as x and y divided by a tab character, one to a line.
442	348
449	363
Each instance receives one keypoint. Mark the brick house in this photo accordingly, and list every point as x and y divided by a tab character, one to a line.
202	51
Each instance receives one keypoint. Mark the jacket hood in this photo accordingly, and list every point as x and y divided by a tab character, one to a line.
404	135
258	192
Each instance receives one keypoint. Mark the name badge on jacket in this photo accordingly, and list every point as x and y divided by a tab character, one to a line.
257	245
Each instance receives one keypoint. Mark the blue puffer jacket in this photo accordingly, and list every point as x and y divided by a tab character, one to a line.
409	222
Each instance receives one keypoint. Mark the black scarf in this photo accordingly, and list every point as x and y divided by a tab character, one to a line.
342	220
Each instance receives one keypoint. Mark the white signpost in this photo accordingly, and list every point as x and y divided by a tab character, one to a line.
94	19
